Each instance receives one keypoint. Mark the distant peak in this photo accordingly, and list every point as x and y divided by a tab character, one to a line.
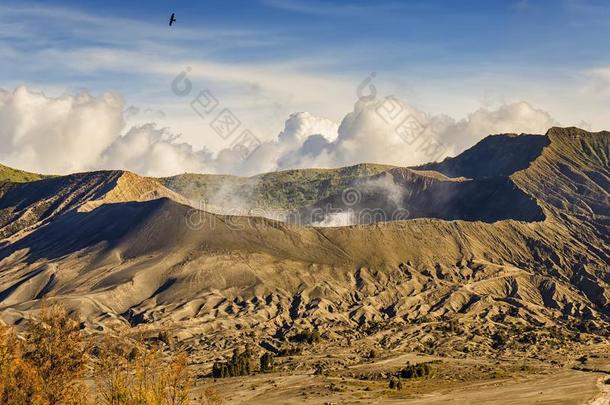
573	131
130	187
494	155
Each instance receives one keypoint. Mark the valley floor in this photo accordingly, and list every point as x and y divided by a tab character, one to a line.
456	381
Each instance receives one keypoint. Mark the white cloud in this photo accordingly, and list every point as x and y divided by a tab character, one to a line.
57	135
518	117
303	124
84	132
392	132
602	73
264	74
327	8
149	150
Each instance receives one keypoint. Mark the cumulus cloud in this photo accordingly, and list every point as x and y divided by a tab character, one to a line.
152	151
510	118
301	125
84	132
392	132
57	135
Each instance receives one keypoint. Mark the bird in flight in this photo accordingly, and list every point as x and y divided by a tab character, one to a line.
172	19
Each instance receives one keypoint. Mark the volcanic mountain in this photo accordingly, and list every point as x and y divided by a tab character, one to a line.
512	236
32	204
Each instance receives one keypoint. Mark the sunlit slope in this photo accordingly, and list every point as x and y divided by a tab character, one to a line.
8	174
156	261
281	190
24	205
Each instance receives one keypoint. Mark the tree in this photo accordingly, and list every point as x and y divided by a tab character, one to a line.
57	349
267	362
19	381
49	367
415	370
239	364
395	383
141	376
307	336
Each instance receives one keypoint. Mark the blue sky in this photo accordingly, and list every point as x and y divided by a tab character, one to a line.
410	44
419	32
266	59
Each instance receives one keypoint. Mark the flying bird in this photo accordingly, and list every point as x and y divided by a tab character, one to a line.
172	19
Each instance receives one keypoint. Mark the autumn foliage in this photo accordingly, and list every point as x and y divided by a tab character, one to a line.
55	362
141	375
47	367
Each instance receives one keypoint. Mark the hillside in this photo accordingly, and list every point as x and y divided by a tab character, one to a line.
8	174
86	206
518	266
406	194
495	156
287	190
573	176
31	204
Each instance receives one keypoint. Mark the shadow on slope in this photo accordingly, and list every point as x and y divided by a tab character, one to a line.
495	155
23	205
400	194
34	203
134	229
74	231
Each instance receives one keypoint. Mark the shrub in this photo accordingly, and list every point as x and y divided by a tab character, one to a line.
319	369
395	383
166	338
239	364
307	336
267	362
19	381
49	367
141	375
415	370
58	351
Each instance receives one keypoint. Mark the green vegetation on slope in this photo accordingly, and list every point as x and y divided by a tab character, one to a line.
8	174
288	189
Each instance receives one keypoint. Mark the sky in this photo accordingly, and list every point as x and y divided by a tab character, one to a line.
88	84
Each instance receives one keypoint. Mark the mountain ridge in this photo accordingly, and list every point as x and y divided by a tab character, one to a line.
23	205
397	283
11	175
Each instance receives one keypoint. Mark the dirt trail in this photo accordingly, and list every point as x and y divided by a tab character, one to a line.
604	396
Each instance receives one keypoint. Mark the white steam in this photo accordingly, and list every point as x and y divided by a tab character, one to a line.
385	186
346	218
